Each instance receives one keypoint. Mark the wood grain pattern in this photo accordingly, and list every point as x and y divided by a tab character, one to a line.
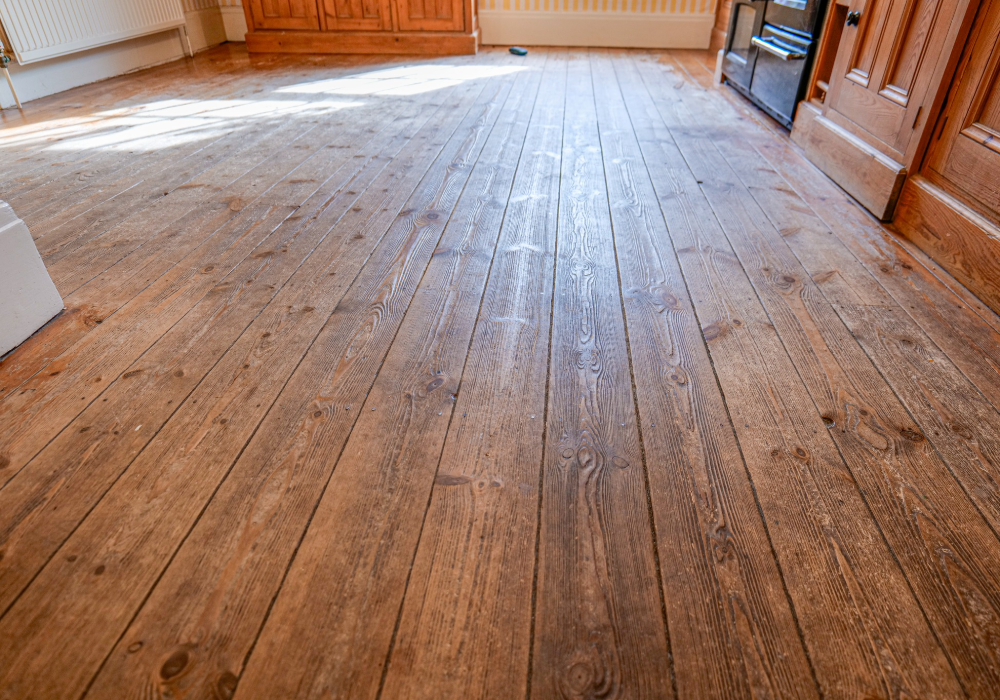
955	320
212	658
400	43
597	631
159	245
802	480
658	410
465	626
957	237
408	407
718	570
108	351
868	175
160	490
880	435
177	363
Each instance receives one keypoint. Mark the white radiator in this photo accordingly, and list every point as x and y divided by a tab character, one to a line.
40	29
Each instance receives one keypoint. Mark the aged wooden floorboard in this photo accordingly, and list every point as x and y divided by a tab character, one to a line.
123	328
166	488
490	376
718	569
95	302
49	207
176	187
465	630
112	288
232	158
407	412
882	444
201	591
818	519
169	370
965	329
43	406
596	633
952	416
51	165
123	128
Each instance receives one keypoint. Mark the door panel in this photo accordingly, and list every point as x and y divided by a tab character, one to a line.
284	14
908	54
357	15
989	114
740	56
776	80
965	157
869	37
885	67
431	15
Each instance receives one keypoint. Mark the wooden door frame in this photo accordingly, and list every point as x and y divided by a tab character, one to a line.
939	219
851	156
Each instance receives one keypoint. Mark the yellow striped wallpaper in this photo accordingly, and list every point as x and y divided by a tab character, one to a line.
672	7
192	5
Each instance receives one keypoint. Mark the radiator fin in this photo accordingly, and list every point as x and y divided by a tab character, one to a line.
40	29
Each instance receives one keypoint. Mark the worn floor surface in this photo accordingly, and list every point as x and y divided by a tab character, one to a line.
556	376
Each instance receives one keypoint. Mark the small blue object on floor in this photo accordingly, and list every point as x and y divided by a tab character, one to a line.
518	51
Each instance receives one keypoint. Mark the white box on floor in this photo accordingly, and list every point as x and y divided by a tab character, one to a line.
28	298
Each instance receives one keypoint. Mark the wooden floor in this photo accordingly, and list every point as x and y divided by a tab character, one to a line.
557	376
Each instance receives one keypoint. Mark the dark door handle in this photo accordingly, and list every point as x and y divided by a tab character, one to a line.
853	18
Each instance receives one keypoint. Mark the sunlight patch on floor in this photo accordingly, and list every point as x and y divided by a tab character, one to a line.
161	124
404	80
153	126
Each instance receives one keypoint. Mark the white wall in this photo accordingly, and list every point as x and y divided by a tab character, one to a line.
205	27
232	22
208	25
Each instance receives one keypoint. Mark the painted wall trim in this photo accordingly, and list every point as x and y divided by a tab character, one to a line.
632	30
235	21
28	298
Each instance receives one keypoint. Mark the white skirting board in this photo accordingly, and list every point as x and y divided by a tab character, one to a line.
28	298
236	23
618	30
55	75
206	28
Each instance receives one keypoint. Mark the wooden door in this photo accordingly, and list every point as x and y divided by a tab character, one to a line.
284	14
431	15
357	15
964	156
886	69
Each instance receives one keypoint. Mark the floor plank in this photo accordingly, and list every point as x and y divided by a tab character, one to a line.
165	487
464	630
882	443
179	361
562	375
137	265
358	335
719	573
597	631
800	477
